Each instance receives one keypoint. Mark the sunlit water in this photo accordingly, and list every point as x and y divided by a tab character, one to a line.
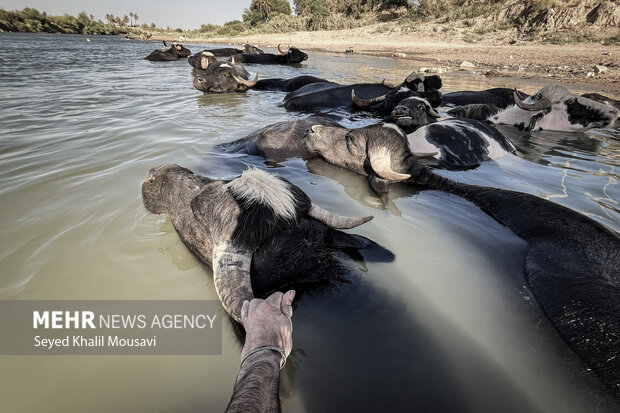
448	326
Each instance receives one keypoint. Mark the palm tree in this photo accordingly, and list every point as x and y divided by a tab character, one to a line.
131	18
125	19
135	18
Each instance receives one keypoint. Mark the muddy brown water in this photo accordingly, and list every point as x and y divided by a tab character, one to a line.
448	326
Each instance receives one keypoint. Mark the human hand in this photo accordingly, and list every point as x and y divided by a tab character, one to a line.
268	322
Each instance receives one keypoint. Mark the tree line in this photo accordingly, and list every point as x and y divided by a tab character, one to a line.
34	21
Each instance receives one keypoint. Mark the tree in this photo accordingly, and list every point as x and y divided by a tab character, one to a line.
125	20
131	18
261	10
135	18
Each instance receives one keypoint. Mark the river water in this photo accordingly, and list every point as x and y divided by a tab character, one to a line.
448	326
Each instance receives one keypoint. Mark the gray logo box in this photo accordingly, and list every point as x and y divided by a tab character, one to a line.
119	327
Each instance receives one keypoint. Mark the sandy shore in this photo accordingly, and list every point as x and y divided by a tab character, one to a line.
573	65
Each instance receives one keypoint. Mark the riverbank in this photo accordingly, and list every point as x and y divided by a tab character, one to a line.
494	59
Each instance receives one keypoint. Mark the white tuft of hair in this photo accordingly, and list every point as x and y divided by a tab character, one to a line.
259	187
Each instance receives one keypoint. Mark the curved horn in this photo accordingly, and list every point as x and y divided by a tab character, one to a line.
334	220
280	50
237	47
433	113
231	275
204	63
166	47
361	103
232	60
248	83
543	103
381	163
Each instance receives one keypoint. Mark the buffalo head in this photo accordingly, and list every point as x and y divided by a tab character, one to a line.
224	77
293	55
202	60
414	112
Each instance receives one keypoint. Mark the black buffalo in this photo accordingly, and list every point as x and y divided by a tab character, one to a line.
287	85
174	52
369	96
501	97
224	77
259	232
291	56
478	111
572	265
234	51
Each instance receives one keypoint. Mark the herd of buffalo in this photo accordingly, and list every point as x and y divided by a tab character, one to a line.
262	233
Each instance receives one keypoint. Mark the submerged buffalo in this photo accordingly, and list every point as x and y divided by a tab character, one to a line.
287	85
500	96
234	51
291	56
572	264
174	52
224	77
281	140
556	108
412	113
476	111
369	96
259	232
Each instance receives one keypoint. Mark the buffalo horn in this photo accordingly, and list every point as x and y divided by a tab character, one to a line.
334	220
280	50
361	103
433	113
166	47
204	63
231	275
248	83
543	103
381	164
237	47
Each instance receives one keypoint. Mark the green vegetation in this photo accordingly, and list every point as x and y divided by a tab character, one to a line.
32	20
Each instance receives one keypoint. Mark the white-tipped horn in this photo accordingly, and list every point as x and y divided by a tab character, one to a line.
204	63
334	220
381	163
166	47
248	83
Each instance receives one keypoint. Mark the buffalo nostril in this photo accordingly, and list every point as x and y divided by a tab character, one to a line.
613	112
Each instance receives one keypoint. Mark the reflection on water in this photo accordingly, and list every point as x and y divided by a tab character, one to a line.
447	326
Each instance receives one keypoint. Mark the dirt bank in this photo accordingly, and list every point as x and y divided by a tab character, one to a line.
493	57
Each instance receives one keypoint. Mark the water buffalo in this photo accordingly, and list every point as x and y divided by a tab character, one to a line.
287	85
291	56
224	77
572	264
415	85
234	51
501	97
281	140
259	232
556	108
201	60
174	52
369	96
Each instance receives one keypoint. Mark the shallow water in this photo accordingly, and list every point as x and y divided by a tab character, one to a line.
448	326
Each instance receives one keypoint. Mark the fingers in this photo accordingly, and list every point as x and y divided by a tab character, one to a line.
275	299
245	309
286	305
